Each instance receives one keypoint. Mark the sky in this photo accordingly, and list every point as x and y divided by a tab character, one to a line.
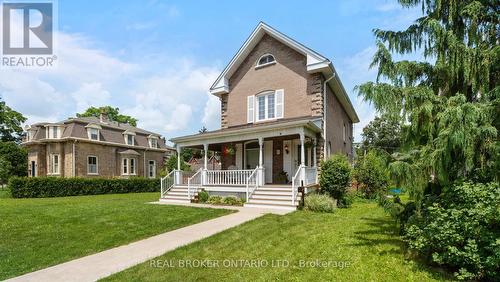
156	60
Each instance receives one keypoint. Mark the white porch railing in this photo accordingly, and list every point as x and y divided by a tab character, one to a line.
167	182
194	182
303	176
228	177
252	182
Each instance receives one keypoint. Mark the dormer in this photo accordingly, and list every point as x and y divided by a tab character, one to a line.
53	131
129	137
30	133
93	131
153	141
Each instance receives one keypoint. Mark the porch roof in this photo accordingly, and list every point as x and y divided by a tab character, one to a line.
304	125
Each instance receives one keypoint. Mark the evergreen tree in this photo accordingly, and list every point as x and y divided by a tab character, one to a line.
449	102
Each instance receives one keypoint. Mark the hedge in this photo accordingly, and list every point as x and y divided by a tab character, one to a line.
39	187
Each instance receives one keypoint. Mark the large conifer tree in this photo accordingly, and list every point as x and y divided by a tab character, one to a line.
449	102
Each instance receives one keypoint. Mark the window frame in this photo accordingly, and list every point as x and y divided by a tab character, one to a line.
127	136
265	94
149	169
259	65
127	166
89	131
96	165
52	164
155	140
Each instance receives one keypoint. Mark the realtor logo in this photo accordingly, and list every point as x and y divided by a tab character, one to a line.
27	33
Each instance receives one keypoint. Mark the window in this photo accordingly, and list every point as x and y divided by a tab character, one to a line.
55	131
128	166
265	60
153	142
129	138
92	165
93	134
152	169
54	164
265	106
344	133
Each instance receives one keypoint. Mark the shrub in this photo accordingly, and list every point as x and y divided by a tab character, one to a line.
203	196
372	175
335	178
319	203
38	187
460	230
232	201
214	200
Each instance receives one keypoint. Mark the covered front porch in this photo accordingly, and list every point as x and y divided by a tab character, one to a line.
277	154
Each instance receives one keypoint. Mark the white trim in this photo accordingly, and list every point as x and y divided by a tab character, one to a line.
167	149
89	133
265	94
52	164
258	66
154	169
128	166
96	165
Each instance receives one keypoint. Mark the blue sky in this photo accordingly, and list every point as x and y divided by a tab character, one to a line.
156	59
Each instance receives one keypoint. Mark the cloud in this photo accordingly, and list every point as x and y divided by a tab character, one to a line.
211	113
90	94
175	102
355	70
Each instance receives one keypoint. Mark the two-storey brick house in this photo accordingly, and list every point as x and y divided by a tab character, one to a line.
93	147
283	109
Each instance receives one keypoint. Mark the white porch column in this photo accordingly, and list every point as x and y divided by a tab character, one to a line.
302	150
261	162
178	173
302	158
205	164
314	153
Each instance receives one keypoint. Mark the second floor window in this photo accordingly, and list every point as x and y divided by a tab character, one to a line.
53	132
265	106
153	142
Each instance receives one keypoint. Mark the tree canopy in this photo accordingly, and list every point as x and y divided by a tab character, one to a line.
10	123
383	133
112	113
448	101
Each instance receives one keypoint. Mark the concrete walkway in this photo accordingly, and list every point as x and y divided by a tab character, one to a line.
100	265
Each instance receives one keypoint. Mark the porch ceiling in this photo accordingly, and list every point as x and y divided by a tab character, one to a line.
306	127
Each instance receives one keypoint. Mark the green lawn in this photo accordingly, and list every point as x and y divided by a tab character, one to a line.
362	239
37	233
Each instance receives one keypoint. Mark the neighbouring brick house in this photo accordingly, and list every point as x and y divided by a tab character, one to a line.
93	147
283	110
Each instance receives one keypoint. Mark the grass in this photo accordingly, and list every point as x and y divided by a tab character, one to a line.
360	243
37	233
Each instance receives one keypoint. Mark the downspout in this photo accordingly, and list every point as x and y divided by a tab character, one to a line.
144	162
74	159
324	114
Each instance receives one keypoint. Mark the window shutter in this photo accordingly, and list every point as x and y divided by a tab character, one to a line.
250	109
279	104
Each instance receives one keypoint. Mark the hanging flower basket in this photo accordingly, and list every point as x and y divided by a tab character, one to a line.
229	150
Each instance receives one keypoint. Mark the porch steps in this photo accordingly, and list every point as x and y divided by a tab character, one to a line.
177	194
273	197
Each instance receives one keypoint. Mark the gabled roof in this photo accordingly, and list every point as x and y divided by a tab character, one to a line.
315	63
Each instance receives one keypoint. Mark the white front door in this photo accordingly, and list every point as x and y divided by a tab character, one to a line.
268	161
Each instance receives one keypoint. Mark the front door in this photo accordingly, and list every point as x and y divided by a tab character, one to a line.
268	161
251	158
33	168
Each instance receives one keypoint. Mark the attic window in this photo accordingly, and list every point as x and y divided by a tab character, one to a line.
265	60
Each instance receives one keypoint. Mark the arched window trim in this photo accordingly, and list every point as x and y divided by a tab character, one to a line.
258	65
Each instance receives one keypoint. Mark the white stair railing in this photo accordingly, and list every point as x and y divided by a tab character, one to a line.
252	182
296	179
194	181
167	183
